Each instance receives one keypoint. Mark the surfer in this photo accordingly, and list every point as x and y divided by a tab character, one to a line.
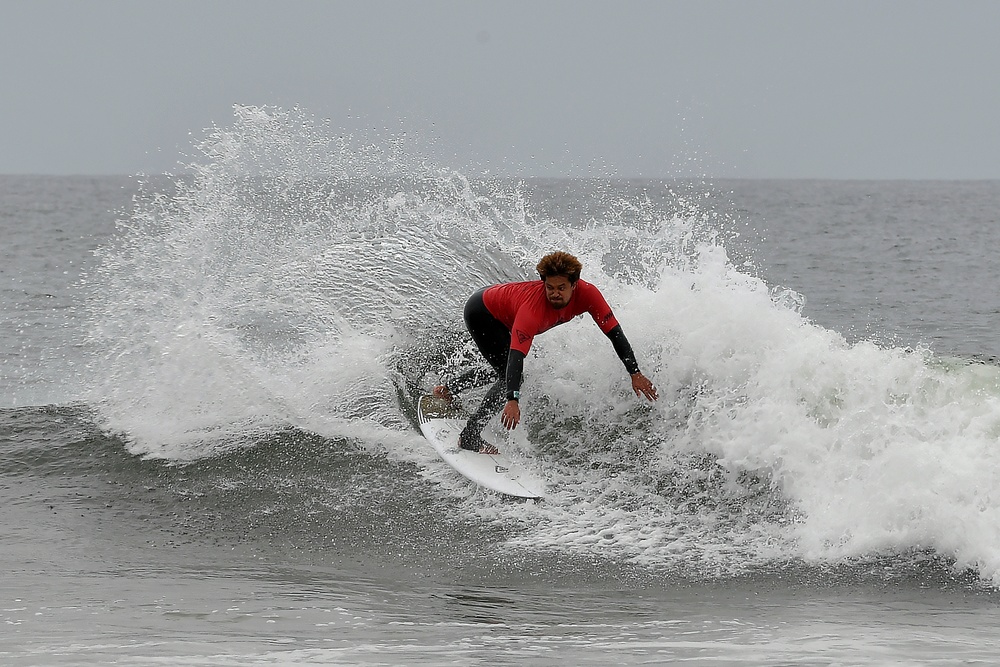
504	319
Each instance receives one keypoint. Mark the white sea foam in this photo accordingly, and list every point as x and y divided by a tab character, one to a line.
297	278
774	438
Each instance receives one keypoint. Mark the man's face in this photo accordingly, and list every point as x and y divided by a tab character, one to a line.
558	290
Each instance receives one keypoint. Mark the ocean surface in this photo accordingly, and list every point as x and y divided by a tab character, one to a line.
209	454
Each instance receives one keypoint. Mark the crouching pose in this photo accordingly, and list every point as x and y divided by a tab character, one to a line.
504	319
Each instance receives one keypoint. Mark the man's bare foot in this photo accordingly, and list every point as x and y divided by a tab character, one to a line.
477	444
487	448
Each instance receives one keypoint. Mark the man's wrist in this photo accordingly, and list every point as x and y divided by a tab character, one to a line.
513	396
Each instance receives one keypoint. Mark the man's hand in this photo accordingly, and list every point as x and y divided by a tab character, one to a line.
643	387
511	415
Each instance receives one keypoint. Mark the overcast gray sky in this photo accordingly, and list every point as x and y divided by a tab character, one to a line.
783	88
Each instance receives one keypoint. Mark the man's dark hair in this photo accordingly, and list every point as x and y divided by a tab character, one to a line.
560	264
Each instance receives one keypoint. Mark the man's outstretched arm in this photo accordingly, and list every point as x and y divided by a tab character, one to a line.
511	415
641	385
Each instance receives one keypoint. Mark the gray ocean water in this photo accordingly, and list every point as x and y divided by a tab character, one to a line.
208	453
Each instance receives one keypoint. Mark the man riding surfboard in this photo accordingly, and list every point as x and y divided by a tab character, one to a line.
504	319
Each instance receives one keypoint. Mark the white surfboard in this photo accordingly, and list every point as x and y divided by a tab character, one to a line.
441	424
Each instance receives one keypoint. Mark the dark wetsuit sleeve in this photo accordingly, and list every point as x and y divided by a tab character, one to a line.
515	368
622	348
